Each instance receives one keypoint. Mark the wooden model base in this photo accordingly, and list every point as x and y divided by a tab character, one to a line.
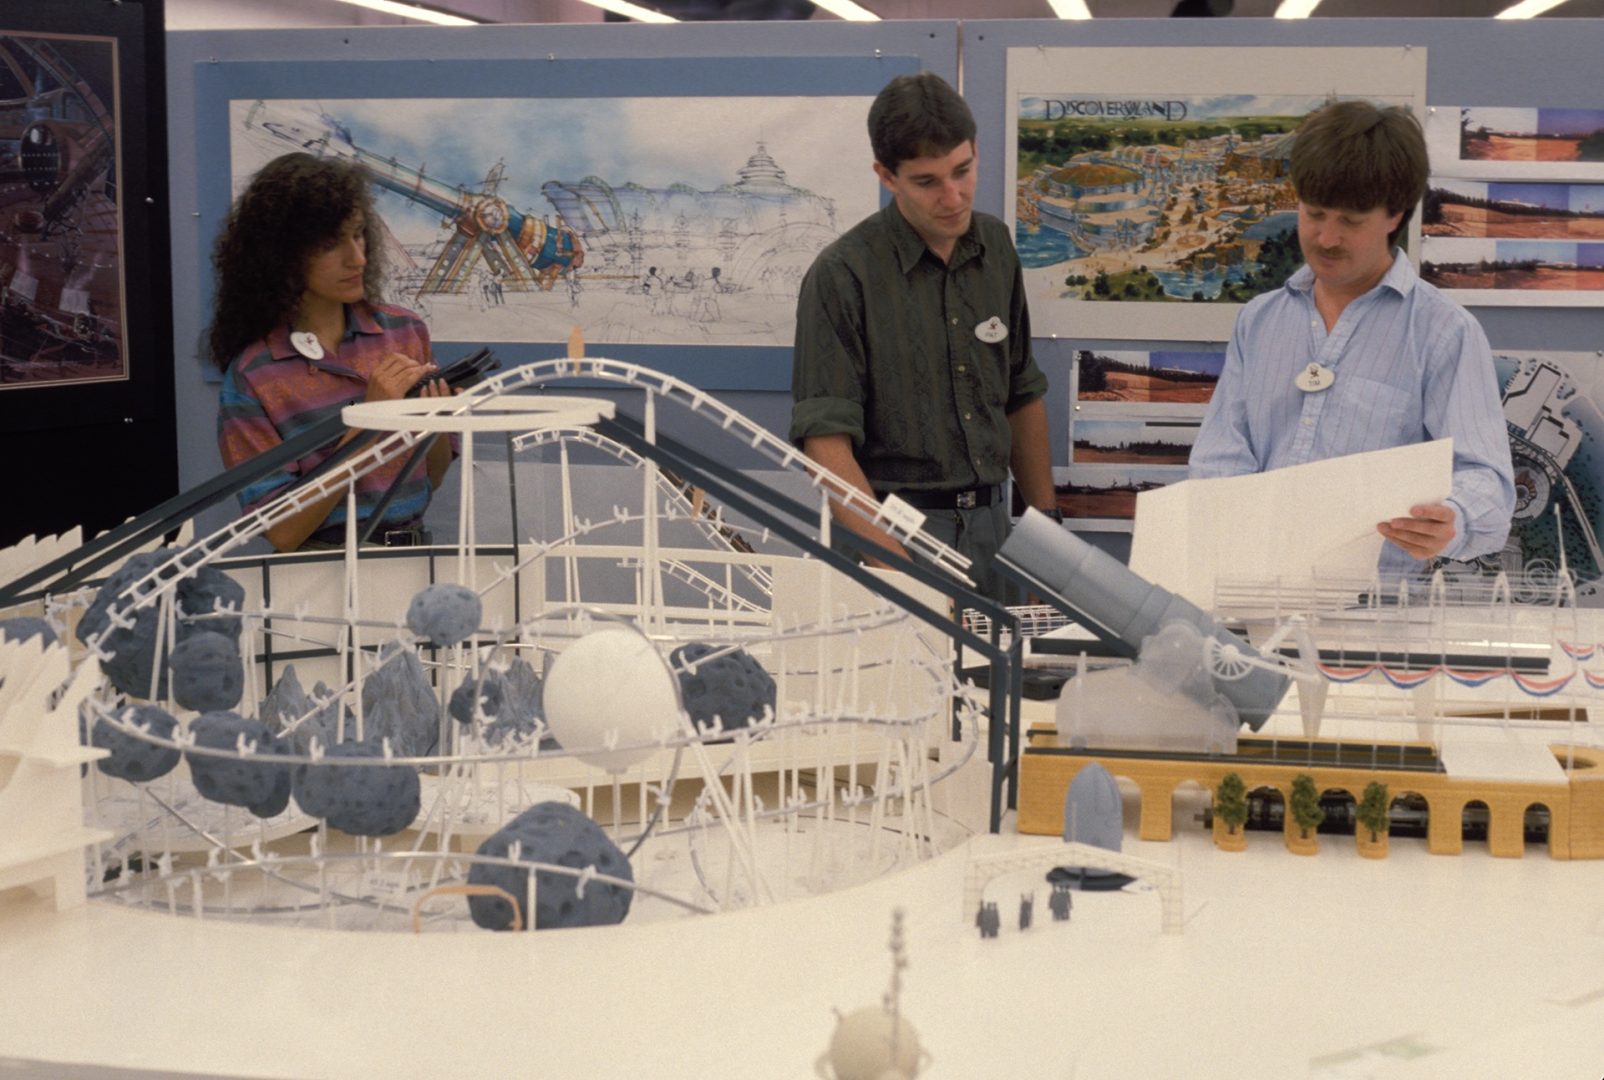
1575	808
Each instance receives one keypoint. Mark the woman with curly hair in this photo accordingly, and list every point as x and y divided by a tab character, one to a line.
299	333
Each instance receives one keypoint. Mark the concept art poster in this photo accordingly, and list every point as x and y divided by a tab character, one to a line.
1150	197
1132	421
677	221
1554	407
61	283
1493	143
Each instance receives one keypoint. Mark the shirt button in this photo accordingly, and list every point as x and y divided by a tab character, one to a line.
962	369
1308	423
955	320
968	416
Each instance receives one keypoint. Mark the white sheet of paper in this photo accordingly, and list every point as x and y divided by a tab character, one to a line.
1292	524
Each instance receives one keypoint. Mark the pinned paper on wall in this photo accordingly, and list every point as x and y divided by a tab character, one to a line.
1296	526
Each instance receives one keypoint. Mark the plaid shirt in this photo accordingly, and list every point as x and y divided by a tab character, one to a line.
887	352
271	393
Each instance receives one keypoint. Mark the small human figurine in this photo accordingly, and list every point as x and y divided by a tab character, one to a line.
1027	905
988	920
1060	901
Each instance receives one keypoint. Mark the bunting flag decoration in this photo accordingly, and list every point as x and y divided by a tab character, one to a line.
1411	679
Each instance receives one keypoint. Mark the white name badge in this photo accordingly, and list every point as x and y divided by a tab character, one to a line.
991	331
306	343
1314	377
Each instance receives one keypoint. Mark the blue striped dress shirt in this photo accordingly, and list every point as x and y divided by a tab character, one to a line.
1410	366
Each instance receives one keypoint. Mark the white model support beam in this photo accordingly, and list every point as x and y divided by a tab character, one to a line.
42	837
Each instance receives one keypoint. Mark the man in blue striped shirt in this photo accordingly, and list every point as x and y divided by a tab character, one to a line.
1356	353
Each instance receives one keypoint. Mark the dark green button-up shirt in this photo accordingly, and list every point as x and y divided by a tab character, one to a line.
887	352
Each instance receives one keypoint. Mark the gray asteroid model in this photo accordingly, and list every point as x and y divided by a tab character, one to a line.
487	693
24	627
287	703
233	780
363	800
207	673
734	688
444	614
209	590
132	648
398	704
510	702
278	800
132	758
556	833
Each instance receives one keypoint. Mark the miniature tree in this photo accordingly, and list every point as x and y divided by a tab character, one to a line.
1231	803
1372	809
1305	807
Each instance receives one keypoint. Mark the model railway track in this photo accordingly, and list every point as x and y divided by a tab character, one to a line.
1312	753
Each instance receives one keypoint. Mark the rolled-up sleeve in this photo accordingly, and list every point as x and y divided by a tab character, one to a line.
829	371
1026	380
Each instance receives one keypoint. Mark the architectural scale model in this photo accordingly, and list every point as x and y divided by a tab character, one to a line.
1476	715
575	714
608	702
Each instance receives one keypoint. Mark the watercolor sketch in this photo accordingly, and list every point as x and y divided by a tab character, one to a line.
1554	407
1487	142
1531	134
1130	442
683	221
61	283
1152	199
1181	200
1162	383
1513	210
1535	273
1102	498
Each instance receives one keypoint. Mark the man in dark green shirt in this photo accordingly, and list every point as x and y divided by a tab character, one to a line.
913	373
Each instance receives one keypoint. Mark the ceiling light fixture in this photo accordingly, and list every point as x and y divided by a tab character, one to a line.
1296	9
1070	9
632	11
412	11
846	9
1528	9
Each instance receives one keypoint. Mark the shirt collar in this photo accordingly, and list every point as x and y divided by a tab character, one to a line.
359	319
1400	276
910	247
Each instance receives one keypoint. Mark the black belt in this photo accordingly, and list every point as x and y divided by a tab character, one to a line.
967	499
413	535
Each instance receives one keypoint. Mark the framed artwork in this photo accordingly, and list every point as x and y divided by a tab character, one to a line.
1150	189
1133	418
1497	143
1554	408
83	265
522	199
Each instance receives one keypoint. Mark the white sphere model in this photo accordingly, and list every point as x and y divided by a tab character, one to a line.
611	688
860	1049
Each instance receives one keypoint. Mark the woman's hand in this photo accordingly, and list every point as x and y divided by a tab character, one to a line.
394	376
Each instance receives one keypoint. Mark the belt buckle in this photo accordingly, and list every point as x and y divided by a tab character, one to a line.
965	500
398	537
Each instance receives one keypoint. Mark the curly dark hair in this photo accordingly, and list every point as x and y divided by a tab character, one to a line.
293	209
